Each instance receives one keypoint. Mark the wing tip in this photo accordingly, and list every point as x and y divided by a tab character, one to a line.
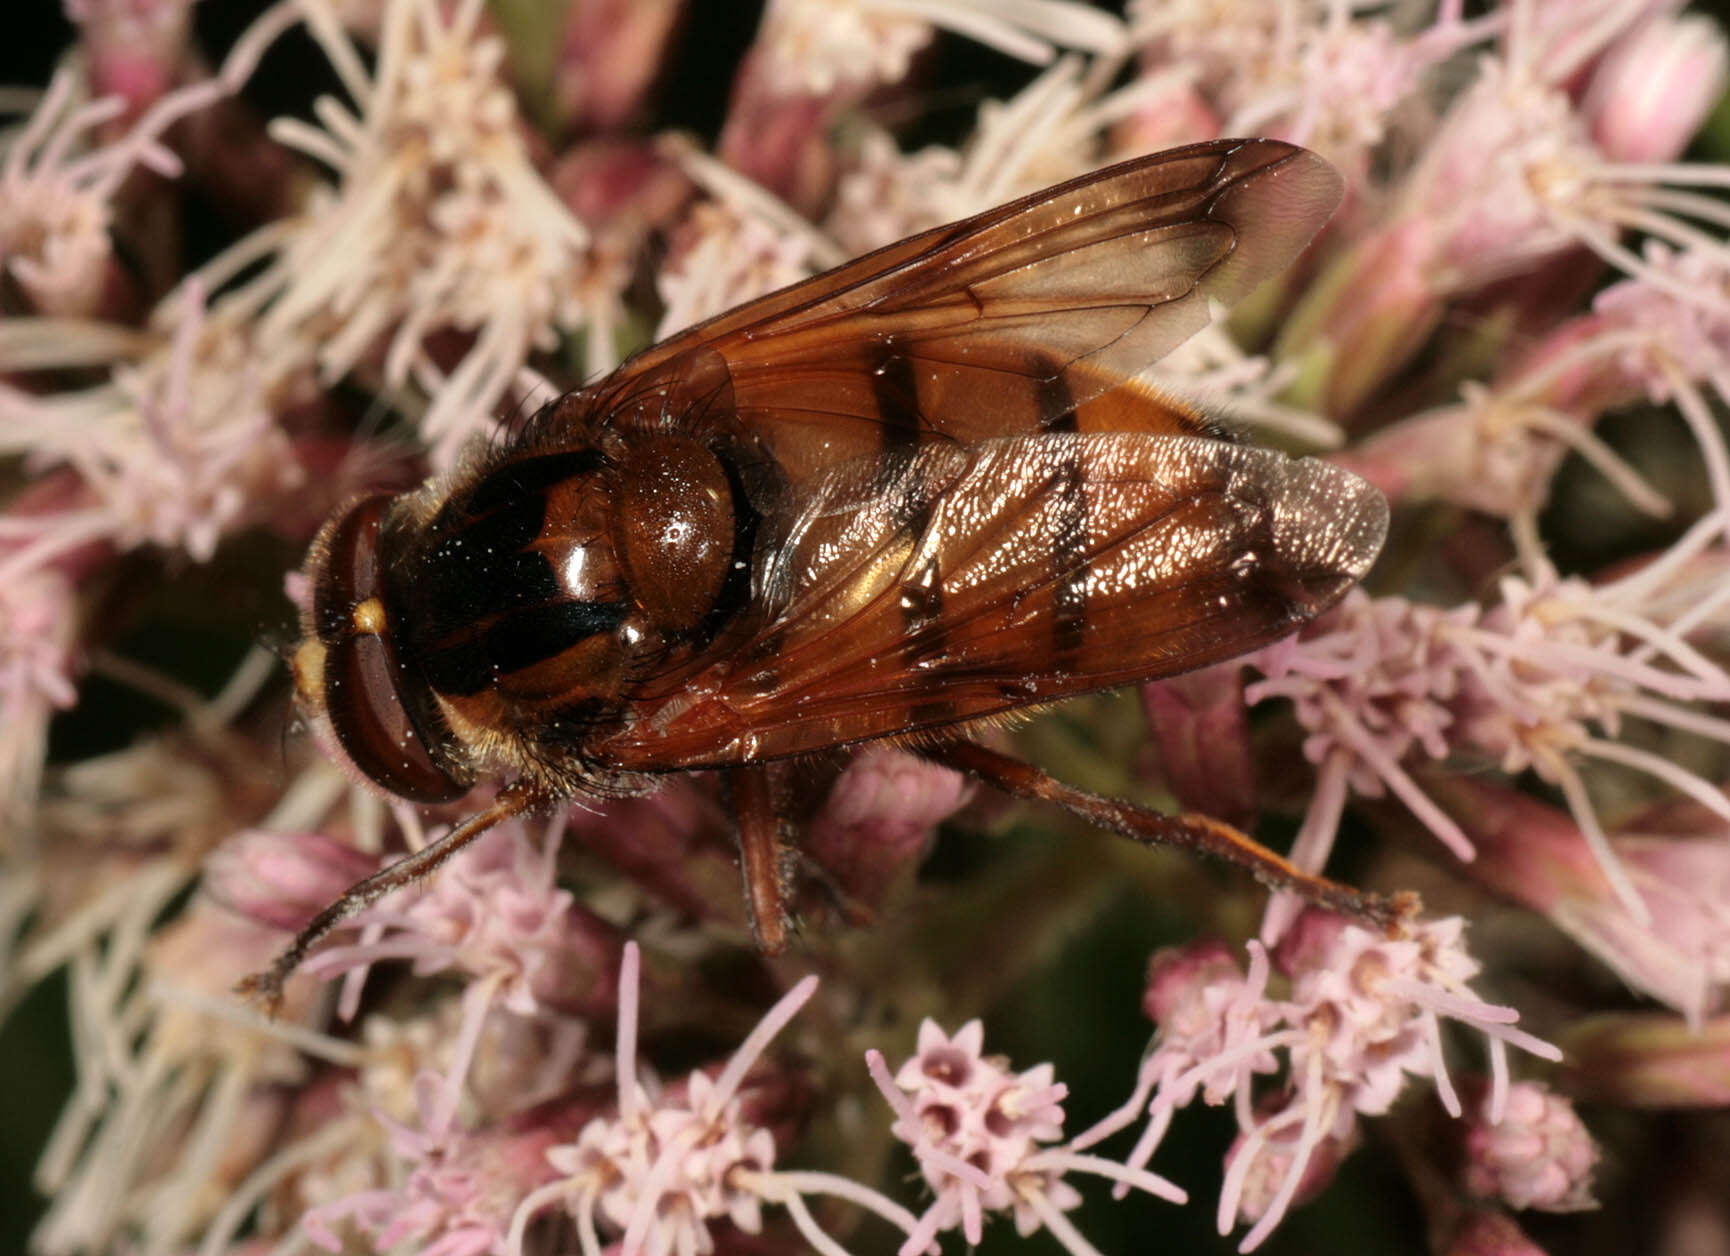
1328	529
1277	197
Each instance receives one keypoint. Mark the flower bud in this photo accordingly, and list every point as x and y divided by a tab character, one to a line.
1306	945
1650	1060
1265	1179
1178	115
879	817
1365	317
1655	87
1201	728
609	56
282	879
133	46
1489	1234
1538	1155
780	138
621	187
675	844
1178	977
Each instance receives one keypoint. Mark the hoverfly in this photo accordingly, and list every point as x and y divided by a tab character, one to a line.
897	500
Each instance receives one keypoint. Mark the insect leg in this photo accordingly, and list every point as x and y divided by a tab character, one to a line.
265	987
1190	831
760	857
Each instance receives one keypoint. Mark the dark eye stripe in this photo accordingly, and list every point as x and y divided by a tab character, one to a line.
469	662
476	539
458	669
535	634
450	594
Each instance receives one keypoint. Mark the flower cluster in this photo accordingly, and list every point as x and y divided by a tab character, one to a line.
1364	1015
1517	327
983	1138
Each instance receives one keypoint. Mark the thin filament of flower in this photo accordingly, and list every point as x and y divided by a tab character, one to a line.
783	1186
324	1142
1308	1139
1063	1159
1706	434
1433	817
1555	768
1673	716
1567	431
1605	245
625	1055
1663	769
1059	1225
1439	1066
774	1021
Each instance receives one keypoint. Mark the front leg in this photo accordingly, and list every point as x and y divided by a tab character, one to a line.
265	988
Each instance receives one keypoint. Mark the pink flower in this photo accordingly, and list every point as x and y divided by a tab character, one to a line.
1651	91
888	195
1215	1036
879	817
1513	177
497	914
1201	731
1313	73
178	448
430	161
453	1192
669	1165
1208	1012
610	53
282	879
1541	680
722	255
1510	180
1371	1007
816	45
188	1062
1534	1154
814	60
1677	950
1364	1015
56	201
986	1141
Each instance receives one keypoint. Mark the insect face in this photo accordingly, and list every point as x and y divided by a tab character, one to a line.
503	618
371	712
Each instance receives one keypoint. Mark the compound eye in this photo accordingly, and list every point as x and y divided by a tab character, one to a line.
362	696
349	670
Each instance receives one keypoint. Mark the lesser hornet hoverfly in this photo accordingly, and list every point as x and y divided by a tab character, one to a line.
897	500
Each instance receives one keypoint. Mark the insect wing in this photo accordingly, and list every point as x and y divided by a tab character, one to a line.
1015	320
950	583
